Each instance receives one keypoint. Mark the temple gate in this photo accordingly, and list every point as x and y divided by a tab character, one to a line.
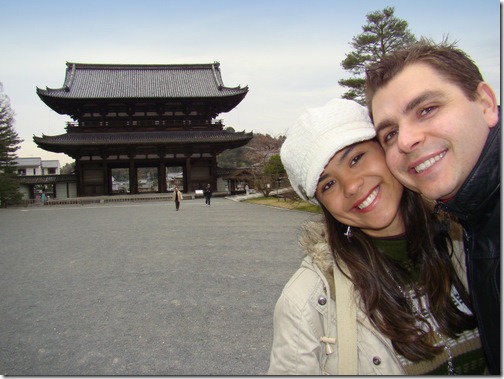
152	119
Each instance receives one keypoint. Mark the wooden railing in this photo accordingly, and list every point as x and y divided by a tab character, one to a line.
110	199
146	123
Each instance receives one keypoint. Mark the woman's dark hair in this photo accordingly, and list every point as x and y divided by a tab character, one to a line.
429	247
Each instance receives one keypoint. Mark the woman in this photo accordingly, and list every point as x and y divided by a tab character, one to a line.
377	292
177	197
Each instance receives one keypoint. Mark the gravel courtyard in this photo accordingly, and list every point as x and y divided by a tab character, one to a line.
140	289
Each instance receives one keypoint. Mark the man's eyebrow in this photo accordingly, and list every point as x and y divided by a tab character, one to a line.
412	104
383	125
427	95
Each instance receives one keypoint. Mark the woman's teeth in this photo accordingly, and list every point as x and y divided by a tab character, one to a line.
366	203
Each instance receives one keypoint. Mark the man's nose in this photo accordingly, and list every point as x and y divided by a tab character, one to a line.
409	137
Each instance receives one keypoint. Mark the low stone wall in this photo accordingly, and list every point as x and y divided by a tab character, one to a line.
111	199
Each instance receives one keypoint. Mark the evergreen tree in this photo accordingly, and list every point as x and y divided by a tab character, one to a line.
69	168
9	141
274	166
382	34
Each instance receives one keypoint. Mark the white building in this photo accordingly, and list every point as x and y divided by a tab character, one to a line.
37	166
37	176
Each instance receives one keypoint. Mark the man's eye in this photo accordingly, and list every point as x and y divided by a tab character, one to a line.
387	138
426	111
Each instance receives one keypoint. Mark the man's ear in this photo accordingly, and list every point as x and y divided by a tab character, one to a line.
488	101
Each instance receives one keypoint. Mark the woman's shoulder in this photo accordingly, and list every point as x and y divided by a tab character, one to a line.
313	240
305	286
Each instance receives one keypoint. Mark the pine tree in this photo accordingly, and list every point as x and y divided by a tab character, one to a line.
382	34
274	166
9	141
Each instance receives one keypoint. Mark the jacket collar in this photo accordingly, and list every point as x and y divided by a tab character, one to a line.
482	184
313	240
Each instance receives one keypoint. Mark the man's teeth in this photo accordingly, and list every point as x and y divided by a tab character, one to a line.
429	162
369	199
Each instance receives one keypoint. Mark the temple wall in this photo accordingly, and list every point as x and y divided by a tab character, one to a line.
66	190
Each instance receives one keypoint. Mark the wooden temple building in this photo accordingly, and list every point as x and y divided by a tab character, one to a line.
143	116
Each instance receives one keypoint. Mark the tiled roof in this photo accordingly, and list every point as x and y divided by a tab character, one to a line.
137	138
104	81
50	164
233	173
28	162
46	179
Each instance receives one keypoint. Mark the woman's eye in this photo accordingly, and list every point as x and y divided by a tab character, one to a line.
327	185
356	158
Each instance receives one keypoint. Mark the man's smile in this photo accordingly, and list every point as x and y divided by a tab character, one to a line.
429	162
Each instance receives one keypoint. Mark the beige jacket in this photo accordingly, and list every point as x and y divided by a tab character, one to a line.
306	312
177	195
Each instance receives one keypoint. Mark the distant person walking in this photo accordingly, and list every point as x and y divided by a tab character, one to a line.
177	196
208	194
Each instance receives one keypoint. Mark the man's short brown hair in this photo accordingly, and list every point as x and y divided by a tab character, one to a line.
451	62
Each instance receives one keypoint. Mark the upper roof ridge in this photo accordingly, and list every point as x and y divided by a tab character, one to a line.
143	66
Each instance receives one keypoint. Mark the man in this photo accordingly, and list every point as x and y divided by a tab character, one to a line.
439	124
208	194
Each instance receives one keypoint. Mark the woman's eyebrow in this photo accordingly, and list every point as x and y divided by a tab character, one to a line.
346	152
322	177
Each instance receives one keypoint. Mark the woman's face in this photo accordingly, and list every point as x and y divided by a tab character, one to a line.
357	188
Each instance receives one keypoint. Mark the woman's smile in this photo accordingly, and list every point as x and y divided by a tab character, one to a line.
359	190
364	205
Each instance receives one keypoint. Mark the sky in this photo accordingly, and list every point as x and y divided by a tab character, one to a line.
288	52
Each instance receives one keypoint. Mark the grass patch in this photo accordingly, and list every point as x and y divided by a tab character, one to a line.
288	204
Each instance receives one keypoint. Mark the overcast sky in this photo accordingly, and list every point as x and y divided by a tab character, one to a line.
288	52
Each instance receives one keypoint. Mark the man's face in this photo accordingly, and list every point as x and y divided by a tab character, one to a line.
431	132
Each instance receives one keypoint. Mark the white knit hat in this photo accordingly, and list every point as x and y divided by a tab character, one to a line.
316	136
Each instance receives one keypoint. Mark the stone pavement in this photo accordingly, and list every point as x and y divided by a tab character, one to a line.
140	289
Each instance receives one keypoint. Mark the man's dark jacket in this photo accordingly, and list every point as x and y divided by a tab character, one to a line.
477	207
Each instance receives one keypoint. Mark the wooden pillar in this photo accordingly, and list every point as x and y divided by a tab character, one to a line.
161	167
213	172
78	169
187	174
133	180
162	176
107	180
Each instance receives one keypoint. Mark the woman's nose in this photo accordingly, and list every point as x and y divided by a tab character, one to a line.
352	184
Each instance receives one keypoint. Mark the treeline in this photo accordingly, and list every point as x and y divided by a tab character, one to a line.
256	153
